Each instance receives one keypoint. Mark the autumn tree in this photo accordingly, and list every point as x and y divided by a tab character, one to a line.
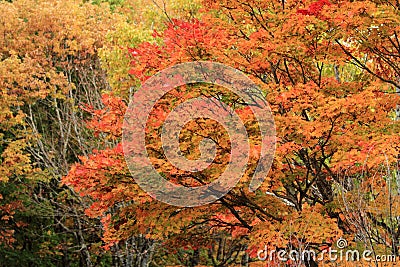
49	66
329	72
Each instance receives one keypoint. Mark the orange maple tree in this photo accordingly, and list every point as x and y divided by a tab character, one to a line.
328	69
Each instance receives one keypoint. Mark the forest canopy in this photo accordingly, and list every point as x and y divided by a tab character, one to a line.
329	71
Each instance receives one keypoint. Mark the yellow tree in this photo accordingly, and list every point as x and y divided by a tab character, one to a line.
48	67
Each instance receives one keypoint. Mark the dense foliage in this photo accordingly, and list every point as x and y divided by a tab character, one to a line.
330	71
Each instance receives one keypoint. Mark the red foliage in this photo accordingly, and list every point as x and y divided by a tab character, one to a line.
315	8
